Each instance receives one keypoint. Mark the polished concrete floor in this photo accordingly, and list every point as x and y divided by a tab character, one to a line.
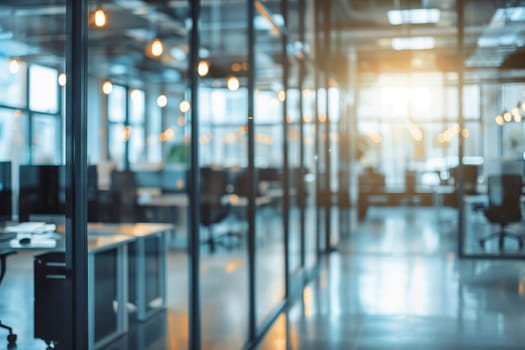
394	283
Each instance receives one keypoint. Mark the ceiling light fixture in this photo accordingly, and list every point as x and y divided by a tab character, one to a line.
155	48
203	68
413	16
98	18
184	106
107	87
233	83
162	101
413	43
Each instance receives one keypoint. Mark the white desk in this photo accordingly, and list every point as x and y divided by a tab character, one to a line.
107	254
147	256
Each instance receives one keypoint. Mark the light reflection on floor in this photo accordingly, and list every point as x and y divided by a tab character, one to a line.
396	284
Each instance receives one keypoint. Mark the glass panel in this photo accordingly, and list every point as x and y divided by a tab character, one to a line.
13	82
46	139
270	273
43	89
32	50
223	107
138	59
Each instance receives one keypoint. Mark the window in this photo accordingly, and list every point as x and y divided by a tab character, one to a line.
45	141
126	132
43	89
13	82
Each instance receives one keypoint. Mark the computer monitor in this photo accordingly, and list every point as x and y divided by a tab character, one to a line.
6	191
42	190
173	180
147	178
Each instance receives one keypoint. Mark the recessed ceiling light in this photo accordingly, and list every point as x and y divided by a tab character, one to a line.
413	43
413	16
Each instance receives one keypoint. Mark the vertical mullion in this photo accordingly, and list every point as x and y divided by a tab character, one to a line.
317	141
76	161
252	308
194	241
286	165
460	11
301	188
327	58
29	116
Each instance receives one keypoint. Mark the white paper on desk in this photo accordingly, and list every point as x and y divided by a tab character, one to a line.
31	228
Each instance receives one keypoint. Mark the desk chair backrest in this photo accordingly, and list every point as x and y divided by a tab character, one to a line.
124	196
504	196
213	187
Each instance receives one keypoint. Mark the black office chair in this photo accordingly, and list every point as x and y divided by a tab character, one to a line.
504	207
4	253
212	207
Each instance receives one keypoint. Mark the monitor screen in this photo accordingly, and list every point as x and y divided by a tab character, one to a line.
173	180
42	190
6	191
148	178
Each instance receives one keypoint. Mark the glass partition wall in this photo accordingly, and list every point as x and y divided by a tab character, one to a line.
104	102
139	141
270	97
223	142
37	128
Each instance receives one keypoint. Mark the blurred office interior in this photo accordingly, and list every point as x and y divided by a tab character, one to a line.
272	174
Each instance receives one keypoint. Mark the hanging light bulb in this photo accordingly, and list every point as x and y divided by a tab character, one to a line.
99	17
162	101
155	48
507	116
107	87
184	106
203	68
233	83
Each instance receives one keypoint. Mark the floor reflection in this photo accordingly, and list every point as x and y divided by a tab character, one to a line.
396	284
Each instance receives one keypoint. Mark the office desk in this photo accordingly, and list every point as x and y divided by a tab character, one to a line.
107	280
147	257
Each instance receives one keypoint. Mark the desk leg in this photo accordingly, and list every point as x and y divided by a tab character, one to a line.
122	290
140	286
163	249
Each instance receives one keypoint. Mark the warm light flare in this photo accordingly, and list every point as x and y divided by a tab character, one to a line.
100	17
107	87
162	101
184	106
233	83
203	68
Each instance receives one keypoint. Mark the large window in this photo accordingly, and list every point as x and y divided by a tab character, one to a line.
126	133
409	122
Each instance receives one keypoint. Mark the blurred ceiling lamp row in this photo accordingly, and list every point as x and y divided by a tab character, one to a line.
99	19
162	99
514	115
